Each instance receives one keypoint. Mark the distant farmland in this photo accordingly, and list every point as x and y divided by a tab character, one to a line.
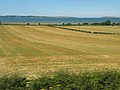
33	50
109	29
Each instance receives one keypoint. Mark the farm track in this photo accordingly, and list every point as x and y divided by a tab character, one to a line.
33	50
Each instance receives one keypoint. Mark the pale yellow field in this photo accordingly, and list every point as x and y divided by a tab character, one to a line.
111	29
33	50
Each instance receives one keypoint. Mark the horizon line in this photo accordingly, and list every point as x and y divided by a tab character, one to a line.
62	16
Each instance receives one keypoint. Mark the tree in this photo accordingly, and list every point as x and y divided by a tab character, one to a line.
79	24
118	23
108	22
68	24
85	23
95	24
113	24
28	23
0	22
63	24
39	23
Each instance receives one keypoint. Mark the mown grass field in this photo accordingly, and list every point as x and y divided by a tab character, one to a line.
33	50
109	29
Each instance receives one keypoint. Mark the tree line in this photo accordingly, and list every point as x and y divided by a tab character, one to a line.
105	23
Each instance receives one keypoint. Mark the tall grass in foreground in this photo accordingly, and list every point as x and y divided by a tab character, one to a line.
106	80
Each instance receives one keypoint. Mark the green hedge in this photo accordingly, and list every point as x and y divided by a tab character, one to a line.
86	31
13	82
108	80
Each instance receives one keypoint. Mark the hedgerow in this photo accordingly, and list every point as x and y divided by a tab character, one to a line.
104	80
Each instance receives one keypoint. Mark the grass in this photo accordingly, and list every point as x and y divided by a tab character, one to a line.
110	29
93	31
33	50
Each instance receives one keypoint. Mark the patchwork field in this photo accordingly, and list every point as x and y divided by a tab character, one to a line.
33	50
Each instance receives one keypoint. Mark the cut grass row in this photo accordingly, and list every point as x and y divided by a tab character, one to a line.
88	31
110	29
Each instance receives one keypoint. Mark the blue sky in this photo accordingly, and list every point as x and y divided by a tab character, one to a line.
77	8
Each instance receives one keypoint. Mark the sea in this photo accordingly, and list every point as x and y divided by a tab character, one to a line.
24	19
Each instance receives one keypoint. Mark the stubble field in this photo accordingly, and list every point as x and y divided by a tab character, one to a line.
33	50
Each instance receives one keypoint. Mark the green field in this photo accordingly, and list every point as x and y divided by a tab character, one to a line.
33	50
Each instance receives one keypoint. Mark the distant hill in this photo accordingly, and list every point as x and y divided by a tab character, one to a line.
30	16
55	19
37	16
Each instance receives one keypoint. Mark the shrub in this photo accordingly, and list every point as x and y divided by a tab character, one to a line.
63	24
87	81
108	22
79	24
109	80
104	80
12	83
95	24
28	23
85	24
118	23
40	83
68	24
113	24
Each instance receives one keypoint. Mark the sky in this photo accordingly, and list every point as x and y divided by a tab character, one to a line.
72	8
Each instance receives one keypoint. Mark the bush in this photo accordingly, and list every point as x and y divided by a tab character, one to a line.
63	24
109	80
108	22
118	23
68	24
104	80
79	24
41	83
85	24
12	83
28	23
95	24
